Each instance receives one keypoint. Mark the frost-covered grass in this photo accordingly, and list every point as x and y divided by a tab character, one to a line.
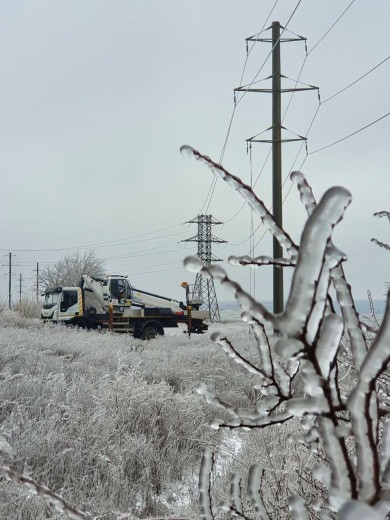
111	423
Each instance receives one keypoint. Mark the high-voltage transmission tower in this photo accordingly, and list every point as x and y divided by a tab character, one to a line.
204	289
276	141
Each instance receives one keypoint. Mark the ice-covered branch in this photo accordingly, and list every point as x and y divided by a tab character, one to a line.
343	290
254	486
343	480
246	191
362	405
381	214
59	503
261	260
344	425
312	252
305	191
381	244
206	468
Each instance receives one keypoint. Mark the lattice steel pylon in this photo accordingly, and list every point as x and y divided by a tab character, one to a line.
204	289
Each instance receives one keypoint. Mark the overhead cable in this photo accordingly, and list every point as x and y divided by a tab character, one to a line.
108	244
213	182
331	27
354	82
350	135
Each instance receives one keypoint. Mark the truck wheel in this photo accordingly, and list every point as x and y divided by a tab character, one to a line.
151	332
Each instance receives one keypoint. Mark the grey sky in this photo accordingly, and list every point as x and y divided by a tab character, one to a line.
96	97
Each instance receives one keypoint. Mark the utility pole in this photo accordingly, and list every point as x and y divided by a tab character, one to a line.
9	280
9	265
37	288
276	142
277	163
204	289
20	287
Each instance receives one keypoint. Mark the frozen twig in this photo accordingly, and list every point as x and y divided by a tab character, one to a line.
381	244
363	409
206	468
261	260
254	485
59	503
381	214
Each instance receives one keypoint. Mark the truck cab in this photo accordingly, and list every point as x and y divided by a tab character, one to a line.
61	303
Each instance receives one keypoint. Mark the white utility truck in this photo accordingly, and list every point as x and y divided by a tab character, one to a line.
112	303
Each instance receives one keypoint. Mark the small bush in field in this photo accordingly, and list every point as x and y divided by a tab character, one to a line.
28	308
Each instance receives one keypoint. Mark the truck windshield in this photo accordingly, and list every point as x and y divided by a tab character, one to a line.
120	288
50	300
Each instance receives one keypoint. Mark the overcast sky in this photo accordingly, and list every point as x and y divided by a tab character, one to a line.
97	96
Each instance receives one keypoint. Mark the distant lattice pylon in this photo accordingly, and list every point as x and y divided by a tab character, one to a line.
204	289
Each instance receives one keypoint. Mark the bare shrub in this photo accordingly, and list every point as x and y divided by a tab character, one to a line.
342	420
28	307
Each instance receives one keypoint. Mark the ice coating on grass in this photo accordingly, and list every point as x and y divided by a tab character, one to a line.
328	343
354	510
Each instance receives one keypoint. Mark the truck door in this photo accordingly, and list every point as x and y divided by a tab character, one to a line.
70	305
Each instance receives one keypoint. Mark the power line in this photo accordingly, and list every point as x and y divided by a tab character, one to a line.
150	267
303	144
107	244
350	135
213	182
331	27
158	271
292	95
356	81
